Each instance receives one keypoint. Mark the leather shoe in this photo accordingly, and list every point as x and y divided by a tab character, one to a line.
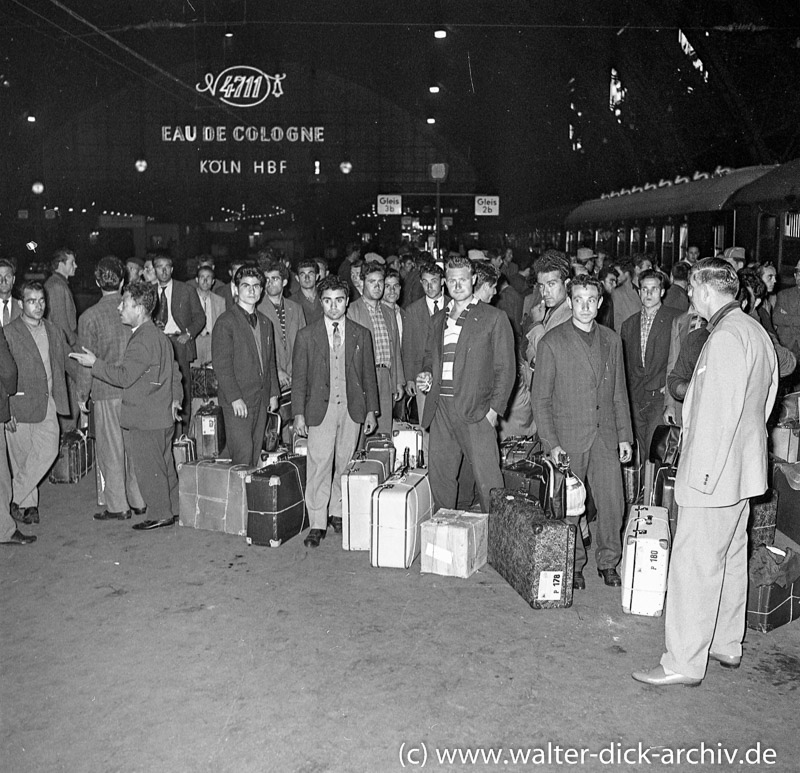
139	510
578	581
18	538
726	661
313	538
109	515
336	524
148	525
660	678
610	577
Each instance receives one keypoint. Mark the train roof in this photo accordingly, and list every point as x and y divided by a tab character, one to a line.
781	184
705	195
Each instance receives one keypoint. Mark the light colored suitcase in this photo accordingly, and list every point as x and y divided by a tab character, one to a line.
645	560
399	507
359	480
407	436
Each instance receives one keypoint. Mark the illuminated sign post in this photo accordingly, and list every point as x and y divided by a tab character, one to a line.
390	204
487	206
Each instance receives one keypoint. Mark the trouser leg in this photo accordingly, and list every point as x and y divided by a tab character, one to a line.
386	400
32	450
483	454
148	450
445	458
110	456
7	524
319	468
346	440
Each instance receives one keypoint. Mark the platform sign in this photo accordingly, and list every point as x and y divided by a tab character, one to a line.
390	204
487	205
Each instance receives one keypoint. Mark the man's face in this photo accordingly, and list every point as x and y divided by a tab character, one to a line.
307	277
334	304
391	291
69	265
770	277
460	282
149	272
486	292
405	267
205	280
373	286
698	295
128	311
693	254
497	262
355	277
249	289
275	284
33	304
585	301
650	293
610	283
163	269
134	271
432	285
646	266
6	281
552	287
622	277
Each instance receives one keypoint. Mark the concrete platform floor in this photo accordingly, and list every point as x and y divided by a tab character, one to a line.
180	650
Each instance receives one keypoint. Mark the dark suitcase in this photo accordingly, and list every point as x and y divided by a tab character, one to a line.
381	448
517	448
536	556
664	495
276	505
208	430
541	481
75	457
204	382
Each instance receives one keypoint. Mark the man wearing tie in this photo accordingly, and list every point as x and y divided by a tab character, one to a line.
213	306
10	308
180	316
334	391
243	353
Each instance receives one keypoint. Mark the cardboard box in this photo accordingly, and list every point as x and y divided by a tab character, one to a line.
770	606
212	495
454	543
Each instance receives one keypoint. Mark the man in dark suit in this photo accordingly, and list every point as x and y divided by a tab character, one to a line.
581	408
645	339
469	371
307	295
39	349
151	398
243	353
180	315
9	533
10	307
334	392
677	297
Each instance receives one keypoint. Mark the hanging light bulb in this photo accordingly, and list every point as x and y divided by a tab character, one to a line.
228	32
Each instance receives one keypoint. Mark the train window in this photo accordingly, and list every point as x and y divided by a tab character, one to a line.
650	240
792	225
605	241
621	245
634	240
667	245
684	240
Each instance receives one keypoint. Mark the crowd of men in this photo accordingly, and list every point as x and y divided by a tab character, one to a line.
590	354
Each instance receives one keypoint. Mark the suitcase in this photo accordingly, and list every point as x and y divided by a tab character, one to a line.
208	430
398	509
535	555
517	448
211	495
184	449
75	457
664	495
763	519
381	448
280	454
276	504
541	481
645	560
204	384
272	432
406	436
359	480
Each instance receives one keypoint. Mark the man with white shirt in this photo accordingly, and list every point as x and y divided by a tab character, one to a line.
10	308
213	305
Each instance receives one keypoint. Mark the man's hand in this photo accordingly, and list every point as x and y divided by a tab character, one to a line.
87	359
411	388
398	393
11	425
283	378
300	427
556	453
176	410
424	381
670	415
538	312
239	408
625	452
184	338
370	423
492	417
274	404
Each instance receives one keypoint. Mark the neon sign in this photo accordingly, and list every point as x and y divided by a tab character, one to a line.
242	86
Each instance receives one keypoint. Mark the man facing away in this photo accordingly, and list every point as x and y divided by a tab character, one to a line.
580	406
334	392
243	352
723	464
151	399
101	331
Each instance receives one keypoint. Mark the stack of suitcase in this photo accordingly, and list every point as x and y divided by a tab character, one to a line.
407	436
646	546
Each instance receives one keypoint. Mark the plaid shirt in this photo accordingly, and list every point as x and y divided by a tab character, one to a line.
645	327
383	346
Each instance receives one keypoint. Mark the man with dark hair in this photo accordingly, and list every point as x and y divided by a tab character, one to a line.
308	297
391	296
608	279
468	371
580	406
369	312
181	317
723	464
334	392
411	274
151	398
39	349
134	268
486	279
646	341
228	290
677	297
626	296
10	308
243	352
552	272
353	254
286	316
101	331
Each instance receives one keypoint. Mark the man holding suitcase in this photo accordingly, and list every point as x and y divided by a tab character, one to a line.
723	463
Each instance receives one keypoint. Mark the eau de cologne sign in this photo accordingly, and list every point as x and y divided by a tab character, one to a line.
242	86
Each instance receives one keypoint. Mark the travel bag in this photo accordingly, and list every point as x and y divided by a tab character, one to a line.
276	506
541	481
208	430
211	494
645	560
272	432
534	554
381	448
359	480
75	457
763	519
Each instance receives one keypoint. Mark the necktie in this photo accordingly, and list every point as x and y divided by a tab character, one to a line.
253	320
435	306
337	336
6	313
163	307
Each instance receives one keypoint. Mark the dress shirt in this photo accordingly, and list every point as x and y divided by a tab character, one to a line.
329	329
171	327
